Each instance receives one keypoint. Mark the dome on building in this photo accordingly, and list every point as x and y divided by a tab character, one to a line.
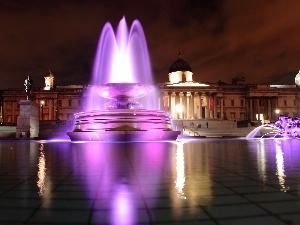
180	65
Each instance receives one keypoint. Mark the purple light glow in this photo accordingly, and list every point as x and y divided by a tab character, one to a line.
122	73
106	171
122	208
277	156
121	58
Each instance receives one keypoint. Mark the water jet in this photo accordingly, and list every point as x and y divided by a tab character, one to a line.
283	127
122	74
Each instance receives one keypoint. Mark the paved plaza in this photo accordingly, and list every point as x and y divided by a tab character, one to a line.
207	182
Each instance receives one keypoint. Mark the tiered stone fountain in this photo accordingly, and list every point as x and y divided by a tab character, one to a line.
123	119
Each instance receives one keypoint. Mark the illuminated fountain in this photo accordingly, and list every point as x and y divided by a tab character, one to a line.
283	127
122	73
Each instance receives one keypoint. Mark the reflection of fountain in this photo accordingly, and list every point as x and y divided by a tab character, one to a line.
122	58
264	165
283	127
261	162
119	177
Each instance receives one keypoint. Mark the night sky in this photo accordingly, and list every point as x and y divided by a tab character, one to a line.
256	39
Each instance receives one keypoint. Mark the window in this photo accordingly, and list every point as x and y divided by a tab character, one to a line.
242	116
70	102
59	103
242	102
284	102
232	115
9	120
232	102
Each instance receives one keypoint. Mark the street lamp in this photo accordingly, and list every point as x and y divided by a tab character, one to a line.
277	111
179	110
42	107
56	114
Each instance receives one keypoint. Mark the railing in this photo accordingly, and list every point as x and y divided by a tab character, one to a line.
185	128
56	123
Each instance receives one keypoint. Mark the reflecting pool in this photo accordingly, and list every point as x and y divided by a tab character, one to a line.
205	181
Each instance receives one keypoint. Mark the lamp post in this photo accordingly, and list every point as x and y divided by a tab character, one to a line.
179	110
42	109
56	114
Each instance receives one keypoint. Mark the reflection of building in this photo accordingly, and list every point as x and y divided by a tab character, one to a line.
183	97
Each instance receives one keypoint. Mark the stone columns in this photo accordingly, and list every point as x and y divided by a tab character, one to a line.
207	112
269	109
200	105
257	109
222	108
192	106
162	101
251	108
175	102
215	107
170	102
188	105
181	103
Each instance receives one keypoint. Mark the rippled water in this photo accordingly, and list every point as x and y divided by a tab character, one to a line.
215	181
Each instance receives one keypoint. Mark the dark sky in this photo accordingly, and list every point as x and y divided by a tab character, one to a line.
220	39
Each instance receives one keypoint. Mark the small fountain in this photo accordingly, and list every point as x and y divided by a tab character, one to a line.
122	74
283	127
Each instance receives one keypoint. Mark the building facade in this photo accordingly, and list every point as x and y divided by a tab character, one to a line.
55	102
183	97
187	99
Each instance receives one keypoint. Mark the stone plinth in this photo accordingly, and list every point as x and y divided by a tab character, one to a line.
28	120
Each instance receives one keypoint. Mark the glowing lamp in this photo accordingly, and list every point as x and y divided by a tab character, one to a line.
179	108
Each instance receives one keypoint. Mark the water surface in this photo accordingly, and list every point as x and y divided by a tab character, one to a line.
212	181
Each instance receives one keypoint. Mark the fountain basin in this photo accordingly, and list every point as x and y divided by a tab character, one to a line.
123	125
124	135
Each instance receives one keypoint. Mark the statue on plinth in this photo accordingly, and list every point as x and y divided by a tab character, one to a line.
27	84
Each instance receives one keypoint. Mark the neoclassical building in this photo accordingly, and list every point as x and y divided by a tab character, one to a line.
183	97
187	99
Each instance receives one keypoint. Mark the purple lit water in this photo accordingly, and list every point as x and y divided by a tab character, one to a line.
122	57
209	181
283	127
